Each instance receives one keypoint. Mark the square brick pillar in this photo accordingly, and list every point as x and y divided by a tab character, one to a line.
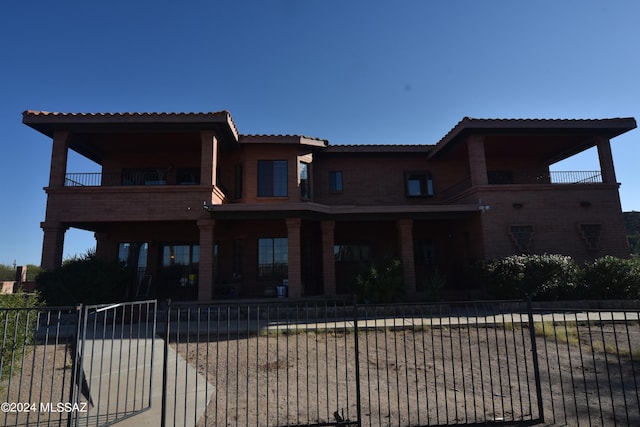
606	161
59	154
477	160
405	236
328	257
294	264
206	267
52	244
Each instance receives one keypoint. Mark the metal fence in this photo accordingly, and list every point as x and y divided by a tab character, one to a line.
320	363
76	366
405	365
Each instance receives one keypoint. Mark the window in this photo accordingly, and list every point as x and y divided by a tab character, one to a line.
499	177
237	177
521	236
134	254
188	176
272	178
352	253
418	184
144	176
335	181
180	263
305	183
591	235
273	258
424	252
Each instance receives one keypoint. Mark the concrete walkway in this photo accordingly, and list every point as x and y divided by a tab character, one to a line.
126	387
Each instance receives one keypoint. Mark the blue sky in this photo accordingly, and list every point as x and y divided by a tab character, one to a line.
352	72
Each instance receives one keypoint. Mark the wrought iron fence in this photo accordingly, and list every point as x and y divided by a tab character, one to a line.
322	363
402	365
76	366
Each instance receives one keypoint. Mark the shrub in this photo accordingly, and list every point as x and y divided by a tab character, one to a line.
540	277
18	316
381	282
611	278
85	280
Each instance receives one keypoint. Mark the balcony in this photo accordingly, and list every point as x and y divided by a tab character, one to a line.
527	178
131	177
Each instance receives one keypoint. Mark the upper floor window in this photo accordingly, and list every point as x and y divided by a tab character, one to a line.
272	178
305	182
418	184
335	181
237	178
145	176
188	176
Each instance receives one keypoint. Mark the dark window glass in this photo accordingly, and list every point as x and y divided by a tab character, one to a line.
418	184
273	258
188	176
335	182
305	187
272	178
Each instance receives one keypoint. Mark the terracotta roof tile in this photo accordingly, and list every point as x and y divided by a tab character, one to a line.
380	148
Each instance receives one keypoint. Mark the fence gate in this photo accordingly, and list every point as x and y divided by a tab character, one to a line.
114	364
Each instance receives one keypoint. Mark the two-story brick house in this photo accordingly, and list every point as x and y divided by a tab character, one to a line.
203	211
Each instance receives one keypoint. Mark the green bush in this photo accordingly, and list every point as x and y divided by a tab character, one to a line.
381	282
18	316
85	280
539	277
611	278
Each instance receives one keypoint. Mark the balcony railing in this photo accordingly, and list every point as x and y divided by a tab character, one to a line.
575	177
553	177
127	178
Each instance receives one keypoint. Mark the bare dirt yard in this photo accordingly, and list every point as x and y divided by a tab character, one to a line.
423	375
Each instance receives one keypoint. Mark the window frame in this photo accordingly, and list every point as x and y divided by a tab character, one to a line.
272	266
273	178
425	182
336	186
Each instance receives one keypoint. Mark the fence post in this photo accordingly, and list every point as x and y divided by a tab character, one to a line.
165	362
536	367
357	361
76	358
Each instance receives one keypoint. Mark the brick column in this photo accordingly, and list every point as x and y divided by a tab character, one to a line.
59	152
52	244
206	268
294	265
328	257
477	161
606	161
208	161
405	236
104	247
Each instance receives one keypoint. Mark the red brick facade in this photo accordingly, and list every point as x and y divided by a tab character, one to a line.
204	212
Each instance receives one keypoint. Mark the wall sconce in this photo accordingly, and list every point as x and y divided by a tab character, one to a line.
484	208
585	204
517	205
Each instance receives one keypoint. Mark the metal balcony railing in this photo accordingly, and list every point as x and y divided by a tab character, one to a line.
126	178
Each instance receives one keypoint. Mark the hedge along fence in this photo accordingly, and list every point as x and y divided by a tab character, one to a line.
18	316
558	277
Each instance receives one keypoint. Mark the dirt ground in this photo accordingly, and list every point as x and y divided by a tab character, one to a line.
422	376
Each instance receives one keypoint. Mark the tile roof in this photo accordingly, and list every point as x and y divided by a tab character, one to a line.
43	120
612	127
380	148
292	139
